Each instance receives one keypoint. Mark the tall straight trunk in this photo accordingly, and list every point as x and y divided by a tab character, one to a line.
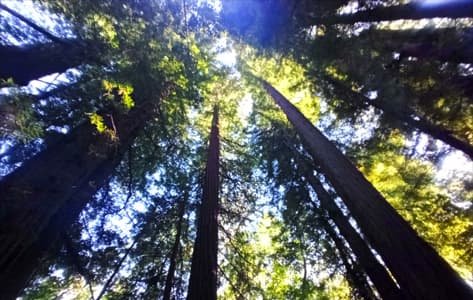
203	278
380	277
174	251
412	11
43	197
354	274
27	63
406	116
419	270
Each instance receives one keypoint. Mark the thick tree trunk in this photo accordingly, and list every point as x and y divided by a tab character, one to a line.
42	198
203	278
24	64
380	277
356	278
174	251
412	11
419	270
407	117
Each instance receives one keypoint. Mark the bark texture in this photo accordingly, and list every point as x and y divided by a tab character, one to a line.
42	198
412	11
419	270
203	278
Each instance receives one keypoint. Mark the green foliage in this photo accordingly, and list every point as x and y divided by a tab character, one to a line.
98	122
409	186
273	243
19	119
123	91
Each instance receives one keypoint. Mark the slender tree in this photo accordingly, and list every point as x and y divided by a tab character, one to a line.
377	273
354	274
203	277
175	250
418	269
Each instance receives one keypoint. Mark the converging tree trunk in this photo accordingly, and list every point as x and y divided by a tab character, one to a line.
354	274
43	197
412	11
203	278
419	270
380	277
175	251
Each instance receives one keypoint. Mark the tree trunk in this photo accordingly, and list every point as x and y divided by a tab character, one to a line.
109	283
407	117
174	251
412	11
418	269
24	64
356	278
42	198
203	278
383	282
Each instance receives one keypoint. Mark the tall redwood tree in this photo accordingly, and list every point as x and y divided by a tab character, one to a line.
417	267
203	278
43	197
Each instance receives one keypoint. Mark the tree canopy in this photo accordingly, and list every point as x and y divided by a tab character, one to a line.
236	149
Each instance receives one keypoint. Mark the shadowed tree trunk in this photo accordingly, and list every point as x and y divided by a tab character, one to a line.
419	270
380	277
405	115
42	198
175	251
24	64
354	275
412	11
203	278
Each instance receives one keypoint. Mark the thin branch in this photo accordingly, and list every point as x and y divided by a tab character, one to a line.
33	25
234	288
110	280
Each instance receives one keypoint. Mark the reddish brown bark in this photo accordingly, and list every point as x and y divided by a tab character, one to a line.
203	278
42	198
419	270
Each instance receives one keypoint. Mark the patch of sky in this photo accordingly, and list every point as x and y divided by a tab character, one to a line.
31	10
